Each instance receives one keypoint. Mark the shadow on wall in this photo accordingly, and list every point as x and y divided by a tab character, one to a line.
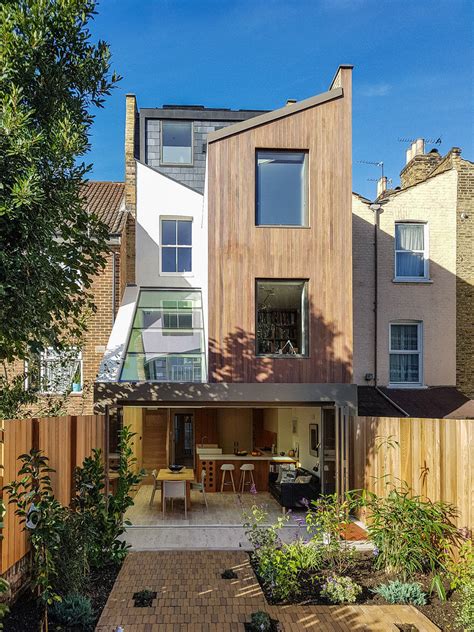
235	358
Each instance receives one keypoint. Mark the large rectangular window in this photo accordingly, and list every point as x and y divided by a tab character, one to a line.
282	189
176	245
405	354
177	142
282	318
411	252
56	372
167	339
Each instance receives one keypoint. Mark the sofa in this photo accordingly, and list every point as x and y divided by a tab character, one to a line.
291	495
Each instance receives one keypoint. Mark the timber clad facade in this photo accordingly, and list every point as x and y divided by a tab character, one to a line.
241	252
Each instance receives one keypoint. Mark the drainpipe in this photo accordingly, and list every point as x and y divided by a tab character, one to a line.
376	207
114	272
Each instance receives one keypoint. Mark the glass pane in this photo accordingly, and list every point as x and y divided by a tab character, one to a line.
177	142
410	264
184	260
163	368
184	233
404	338
168	232
168	259
281	318
404	368
281	189
169	318
409	236
170	299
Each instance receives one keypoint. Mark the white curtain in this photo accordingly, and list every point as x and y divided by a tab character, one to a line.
404	337
404	368
410	238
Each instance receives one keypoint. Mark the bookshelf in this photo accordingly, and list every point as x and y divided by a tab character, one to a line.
274	328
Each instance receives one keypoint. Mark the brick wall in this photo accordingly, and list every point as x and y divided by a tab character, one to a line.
418	169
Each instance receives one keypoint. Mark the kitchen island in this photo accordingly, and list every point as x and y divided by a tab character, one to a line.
212	463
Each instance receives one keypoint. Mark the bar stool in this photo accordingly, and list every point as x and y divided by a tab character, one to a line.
227	467
246	467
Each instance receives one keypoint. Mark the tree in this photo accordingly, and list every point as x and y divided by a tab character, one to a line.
51	78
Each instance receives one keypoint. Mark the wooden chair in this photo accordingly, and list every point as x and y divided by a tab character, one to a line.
156	485
175	489
201	487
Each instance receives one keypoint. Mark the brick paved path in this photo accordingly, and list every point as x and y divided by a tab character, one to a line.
192	597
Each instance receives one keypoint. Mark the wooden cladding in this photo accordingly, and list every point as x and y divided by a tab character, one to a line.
241	252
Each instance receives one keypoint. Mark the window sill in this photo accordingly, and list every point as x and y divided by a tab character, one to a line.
176	164
180	275
285	226
407	386
408	280
296	356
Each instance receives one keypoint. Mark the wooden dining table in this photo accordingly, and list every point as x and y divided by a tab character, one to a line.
186	475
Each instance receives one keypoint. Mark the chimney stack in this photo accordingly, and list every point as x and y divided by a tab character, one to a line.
381	186
418	164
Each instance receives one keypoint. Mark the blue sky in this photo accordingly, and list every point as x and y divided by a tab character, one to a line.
413	74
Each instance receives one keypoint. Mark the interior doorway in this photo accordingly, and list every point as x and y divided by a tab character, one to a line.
183	439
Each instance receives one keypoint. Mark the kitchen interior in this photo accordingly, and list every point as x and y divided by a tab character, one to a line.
207	438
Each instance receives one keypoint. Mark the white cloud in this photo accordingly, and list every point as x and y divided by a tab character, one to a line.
375	90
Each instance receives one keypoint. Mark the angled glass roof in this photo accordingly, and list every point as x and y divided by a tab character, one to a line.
166	342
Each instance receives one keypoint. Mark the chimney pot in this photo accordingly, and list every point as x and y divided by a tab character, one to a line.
420	146
381	185
408	155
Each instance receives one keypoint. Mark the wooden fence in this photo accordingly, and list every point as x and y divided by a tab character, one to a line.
435	457
66	441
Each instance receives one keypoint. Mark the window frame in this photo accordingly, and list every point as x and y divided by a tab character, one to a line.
175	218
419	352
43	358
176	164
305	319
306	196
425	252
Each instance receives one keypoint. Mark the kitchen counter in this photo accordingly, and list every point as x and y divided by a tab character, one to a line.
234	457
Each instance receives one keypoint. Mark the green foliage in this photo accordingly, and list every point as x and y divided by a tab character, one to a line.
74	611
101	516
279	571
465	607
410	534
461	570
42	516
259	533
260	621
340	589
52	77
401	592
326	519
71	558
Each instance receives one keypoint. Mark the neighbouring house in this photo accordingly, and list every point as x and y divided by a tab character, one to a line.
413	270
70	377
235	327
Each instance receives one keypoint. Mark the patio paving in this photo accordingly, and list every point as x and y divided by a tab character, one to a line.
192	597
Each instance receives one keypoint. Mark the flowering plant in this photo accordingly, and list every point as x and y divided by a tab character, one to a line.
340	589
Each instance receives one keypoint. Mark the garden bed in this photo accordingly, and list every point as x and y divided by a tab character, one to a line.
363	572
25	613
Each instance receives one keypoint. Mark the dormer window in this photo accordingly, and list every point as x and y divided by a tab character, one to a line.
176	143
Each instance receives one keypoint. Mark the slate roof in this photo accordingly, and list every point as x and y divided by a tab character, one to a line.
436	402
105	199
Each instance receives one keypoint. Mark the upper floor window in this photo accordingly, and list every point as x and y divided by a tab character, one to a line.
282	188
56	372
282	317
411	251
176	245
177	142
405	354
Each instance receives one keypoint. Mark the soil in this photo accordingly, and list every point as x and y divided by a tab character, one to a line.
25	614
363	572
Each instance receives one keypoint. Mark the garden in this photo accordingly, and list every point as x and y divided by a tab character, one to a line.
75	551
419	557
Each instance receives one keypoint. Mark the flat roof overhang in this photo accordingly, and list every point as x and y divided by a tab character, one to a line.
220	394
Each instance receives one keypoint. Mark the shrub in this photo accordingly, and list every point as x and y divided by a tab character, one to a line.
74	611
340	589
260	621
305	555
461	571
410	534
401	592
326	519
71	557
465	607
259	533
279	572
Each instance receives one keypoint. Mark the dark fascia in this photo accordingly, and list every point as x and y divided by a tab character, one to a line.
274	115
199	114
